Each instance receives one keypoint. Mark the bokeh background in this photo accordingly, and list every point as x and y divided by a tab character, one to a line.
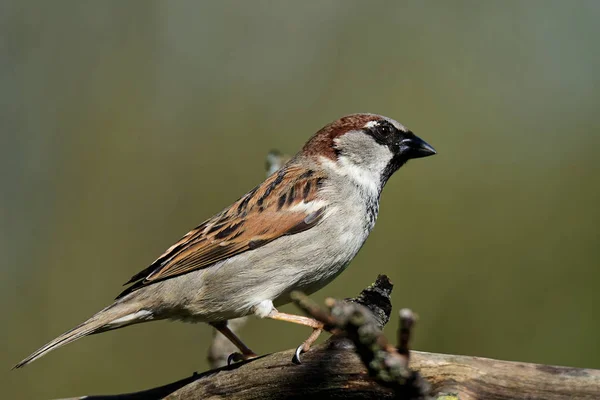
124	124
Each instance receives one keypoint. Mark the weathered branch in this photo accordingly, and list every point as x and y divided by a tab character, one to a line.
362	322
334	370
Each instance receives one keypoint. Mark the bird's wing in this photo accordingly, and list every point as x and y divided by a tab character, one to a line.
284	204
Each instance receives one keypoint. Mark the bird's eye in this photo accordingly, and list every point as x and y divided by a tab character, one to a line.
384	129
383	132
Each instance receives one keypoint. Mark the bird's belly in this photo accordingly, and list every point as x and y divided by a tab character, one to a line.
309	286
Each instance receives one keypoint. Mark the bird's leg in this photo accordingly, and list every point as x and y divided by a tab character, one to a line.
245	354
297	319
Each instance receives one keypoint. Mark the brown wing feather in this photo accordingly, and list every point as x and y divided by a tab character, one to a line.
261	216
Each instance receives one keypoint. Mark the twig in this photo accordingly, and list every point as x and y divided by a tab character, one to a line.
407	321
357	322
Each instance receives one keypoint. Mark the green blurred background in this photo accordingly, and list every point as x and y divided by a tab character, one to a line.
124	124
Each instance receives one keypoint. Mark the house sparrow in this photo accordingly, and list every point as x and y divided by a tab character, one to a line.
297	230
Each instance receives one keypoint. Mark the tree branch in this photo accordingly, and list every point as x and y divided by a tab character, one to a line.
360	323
336	369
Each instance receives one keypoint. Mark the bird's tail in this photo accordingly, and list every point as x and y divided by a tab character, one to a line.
117	315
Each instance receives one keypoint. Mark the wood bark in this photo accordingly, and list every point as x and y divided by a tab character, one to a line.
334	371
359	363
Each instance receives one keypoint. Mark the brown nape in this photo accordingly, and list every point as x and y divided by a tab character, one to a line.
322	142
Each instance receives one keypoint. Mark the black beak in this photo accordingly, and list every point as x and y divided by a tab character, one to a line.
415	147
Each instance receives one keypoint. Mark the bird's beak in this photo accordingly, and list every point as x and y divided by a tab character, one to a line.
415	147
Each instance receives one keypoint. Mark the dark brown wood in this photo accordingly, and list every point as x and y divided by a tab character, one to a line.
335	371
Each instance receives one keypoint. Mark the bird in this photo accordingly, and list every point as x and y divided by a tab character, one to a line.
296	231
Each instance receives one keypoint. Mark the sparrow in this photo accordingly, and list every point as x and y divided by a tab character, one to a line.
298	230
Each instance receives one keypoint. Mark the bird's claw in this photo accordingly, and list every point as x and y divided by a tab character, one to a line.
235	357
296	358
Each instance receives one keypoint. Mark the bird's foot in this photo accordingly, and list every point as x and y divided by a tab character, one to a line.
237	357
304	347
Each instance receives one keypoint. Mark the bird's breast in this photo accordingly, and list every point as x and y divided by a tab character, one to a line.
305	261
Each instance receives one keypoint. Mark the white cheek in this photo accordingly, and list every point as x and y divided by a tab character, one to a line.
368	178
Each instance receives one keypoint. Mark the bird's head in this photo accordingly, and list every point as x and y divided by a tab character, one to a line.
368	148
